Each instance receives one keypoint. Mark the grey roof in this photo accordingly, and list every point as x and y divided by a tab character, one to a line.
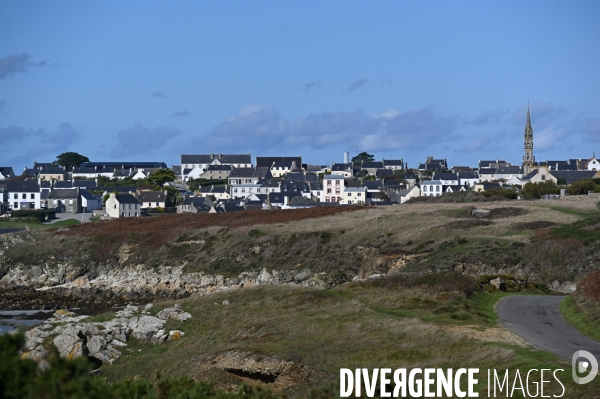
373	184
219	167
445	176
64	193
454	187
52	171
85	194
384	172
19	186
31	172
241	172
63	184
509	170
268	161
467	175
151	196
393	162
530	175
45	192
127	199
7	171
372	165
176	169
487	171
119	189
125	165
194	201
85	183
341	167
39	165
572	176
223	158
487	164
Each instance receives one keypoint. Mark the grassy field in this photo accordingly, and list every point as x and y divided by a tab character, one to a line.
356	325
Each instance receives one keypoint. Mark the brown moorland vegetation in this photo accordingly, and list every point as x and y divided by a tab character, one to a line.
154	232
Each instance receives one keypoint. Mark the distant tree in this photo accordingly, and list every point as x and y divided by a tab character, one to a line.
363	157
161	176
173	193
70	160
536	190
583	187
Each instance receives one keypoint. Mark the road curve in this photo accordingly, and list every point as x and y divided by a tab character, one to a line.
537	320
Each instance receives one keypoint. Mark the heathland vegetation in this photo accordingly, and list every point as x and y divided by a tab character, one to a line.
434	309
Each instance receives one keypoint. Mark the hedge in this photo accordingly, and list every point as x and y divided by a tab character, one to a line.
38	215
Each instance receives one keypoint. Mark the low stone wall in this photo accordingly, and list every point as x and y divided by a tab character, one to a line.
580	197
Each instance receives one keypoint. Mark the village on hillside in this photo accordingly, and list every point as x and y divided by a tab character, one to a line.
214	183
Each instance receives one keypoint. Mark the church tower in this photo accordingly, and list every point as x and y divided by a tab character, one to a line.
528	158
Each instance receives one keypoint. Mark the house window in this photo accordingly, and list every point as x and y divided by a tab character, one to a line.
70	208
437	188
328	191
543	177
16	205
337	182
359	194
329	182
349	194
24	196
32	196
157	204
337	191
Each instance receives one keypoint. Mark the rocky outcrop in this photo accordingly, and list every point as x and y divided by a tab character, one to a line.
136	283
103	341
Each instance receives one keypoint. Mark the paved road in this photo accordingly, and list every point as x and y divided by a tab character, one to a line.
76	216
537	319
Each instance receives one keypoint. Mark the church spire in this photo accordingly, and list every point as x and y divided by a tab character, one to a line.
528	158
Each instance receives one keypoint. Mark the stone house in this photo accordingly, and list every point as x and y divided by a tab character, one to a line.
67	200
122	205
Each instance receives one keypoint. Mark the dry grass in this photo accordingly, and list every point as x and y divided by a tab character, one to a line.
351	327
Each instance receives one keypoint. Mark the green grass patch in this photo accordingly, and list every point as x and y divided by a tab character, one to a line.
579	319
582	213
586	230
66	222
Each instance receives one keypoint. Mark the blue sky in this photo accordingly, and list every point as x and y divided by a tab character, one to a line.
149	80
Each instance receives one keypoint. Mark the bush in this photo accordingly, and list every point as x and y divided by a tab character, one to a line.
33	215
437	282
590	286
536	190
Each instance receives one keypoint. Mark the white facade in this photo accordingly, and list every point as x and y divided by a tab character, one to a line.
24	200
243	190
431	188
593	164
354	196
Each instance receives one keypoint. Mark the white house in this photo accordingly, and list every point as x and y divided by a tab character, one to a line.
408	193
431	188
468	179
122	205
22	194
593	164
354	196
447	179
89	202
243	190
333	188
